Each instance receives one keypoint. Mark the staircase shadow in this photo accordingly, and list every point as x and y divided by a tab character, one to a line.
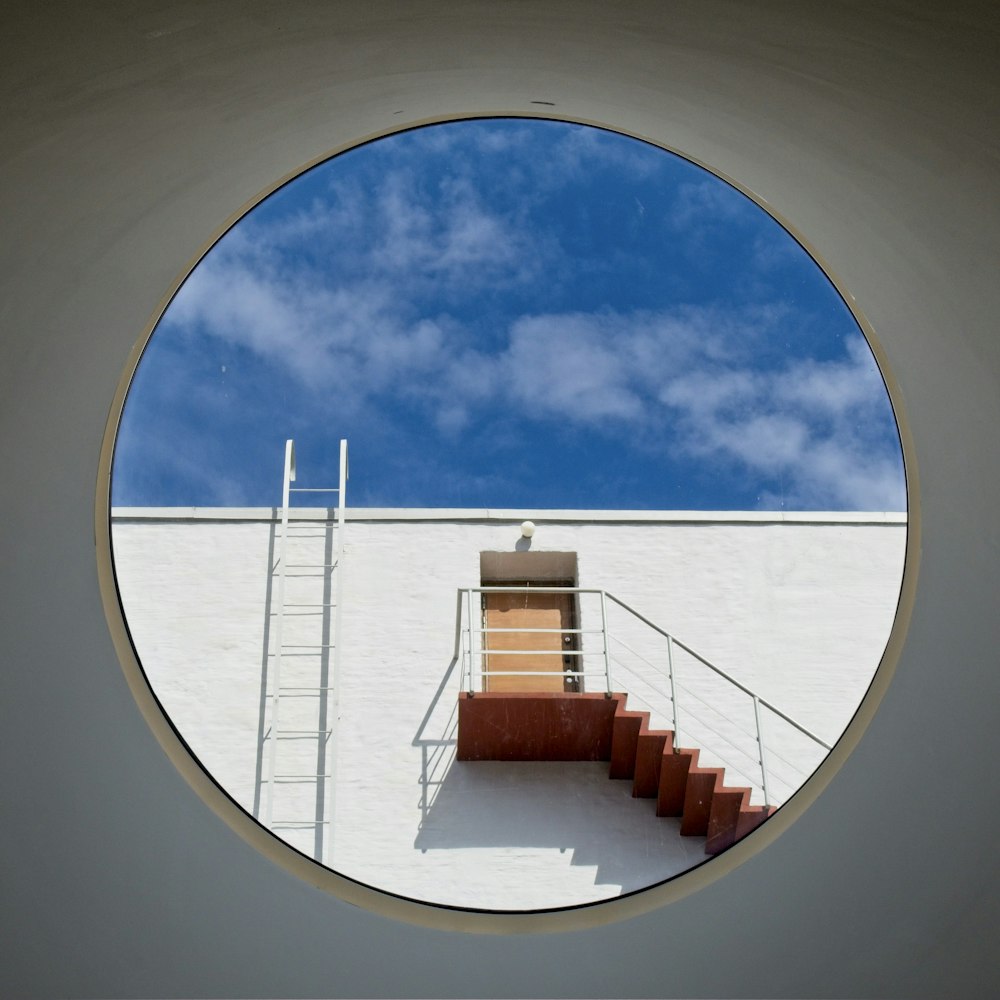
572	807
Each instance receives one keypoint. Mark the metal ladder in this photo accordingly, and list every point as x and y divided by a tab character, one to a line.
304	676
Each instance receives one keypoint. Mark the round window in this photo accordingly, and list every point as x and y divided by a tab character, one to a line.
508	514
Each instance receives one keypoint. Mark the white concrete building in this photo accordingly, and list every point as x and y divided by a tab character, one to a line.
796	607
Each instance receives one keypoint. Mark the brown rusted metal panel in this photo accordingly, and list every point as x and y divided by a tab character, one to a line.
673	781
535	726
701	785
648	759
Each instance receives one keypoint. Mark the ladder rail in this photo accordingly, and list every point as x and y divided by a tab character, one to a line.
288	479
338	632
327	694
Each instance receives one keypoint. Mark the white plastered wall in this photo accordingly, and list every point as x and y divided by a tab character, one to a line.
797	607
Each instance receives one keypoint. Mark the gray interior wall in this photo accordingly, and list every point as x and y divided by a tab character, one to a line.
130	131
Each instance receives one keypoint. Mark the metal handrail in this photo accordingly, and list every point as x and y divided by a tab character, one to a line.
465	651
711	666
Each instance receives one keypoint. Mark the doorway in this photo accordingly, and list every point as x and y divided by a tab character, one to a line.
530	633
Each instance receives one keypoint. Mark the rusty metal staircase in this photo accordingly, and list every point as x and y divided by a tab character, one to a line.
548	726
720	720
707	807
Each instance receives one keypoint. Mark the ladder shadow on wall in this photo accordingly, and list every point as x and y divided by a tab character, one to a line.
258	783
437	738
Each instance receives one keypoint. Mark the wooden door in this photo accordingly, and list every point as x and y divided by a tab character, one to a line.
551	612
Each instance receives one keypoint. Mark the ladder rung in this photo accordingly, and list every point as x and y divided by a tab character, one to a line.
283	733
313	489
310	566
300	687
301	777
298	824
306	645
329	604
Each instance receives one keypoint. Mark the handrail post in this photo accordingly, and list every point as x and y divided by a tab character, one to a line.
607	644
460	641
673	690
468	596
760	746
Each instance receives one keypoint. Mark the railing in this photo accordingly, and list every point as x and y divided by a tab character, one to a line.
468	636
682	689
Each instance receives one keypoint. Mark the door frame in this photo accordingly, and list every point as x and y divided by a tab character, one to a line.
540	569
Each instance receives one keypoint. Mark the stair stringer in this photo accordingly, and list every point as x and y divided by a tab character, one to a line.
651	747
732	818
679	783
626	727
702	783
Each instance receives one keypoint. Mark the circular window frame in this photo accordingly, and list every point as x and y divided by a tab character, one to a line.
453	918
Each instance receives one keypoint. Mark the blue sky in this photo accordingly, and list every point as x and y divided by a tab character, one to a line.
511	313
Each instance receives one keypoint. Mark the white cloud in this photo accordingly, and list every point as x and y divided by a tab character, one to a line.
390	233
822	428
581	150
607	365
852	476
334	293
835	388
707	202
766	441
565	366
707	392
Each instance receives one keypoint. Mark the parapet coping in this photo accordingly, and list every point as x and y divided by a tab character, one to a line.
489	515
